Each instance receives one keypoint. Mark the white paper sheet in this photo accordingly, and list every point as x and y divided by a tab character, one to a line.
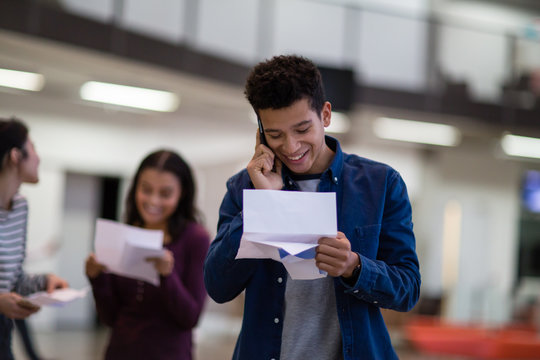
285	226
124	249
58	297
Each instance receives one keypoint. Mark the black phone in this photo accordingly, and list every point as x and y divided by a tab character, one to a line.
262	138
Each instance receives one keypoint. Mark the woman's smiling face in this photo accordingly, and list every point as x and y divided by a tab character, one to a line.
156	197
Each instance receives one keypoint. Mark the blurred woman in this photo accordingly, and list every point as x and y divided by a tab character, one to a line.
19	164
150	322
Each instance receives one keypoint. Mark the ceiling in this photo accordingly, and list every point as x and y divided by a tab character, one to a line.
65	67
213	108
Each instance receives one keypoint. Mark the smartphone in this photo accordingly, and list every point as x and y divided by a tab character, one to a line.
262	138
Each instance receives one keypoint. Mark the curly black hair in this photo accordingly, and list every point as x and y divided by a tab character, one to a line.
279	82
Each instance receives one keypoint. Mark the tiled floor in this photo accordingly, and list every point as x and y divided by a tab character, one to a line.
214	337
84	345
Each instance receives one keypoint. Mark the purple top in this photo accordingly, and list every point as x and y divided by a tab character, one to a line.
150	322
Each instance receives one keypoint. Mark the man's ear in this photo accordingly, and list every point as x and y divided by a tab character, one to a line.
326	114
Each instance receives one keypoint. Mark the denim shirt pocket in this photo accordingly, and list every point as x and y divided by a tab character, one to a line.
366	240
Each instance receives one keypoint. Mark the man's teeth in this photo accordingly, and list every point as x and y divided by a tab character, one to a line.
296	157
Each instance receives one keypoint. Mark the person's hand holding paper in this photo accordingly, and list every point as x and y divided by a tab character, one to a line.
163	264
58	297
286	226
125	250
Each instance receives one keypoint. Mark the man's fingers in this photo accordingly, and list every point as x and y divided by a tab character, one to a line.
329	243
325	259
330	255
265	161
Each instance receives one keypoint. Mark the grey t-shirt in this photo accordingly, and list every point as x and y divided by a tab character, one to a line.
310	325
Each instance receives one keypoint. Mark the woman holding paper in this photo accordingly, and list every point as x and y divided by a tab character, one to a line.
19	164
147	321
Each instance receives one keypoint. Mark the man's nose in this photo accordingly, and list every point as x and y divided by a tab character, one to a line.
291	145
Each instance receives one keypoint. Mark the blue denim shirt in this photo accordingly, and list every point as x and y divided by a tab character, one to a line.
374	213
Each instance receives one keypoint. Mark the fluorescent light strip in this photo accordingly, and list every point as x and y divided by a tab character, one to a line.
21	80
522	146
416	132
340	123
130	96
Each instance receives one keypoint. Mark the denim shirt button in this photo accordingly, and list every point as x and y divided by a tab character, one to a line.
355	291
335	180
375	302
279	280
276	320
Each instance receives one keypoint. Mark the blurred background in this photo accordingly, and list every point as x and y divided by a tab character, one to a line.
445	91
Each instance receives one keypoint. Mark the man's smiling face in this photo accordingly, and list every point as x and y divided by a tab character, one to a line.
296	136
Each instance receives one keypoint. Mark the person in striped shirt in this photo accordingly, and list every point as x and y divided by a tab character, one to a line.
19	164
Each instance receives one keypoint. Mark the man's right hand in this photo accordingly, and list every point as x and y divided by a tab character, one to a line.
14	306
264	169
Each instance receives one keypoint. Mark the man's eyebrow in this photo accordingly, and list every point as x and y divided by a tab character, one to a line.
297	125
302	123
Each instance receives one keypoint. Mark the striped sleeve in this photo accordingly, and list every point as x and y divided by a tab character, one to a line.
28	284
12	251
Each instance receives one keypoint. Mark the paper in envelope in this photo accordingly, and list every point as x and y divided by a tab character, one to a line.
285	226
124	249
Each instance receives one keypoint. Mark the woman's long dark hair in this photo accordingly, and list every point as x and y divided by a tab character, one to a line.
165	160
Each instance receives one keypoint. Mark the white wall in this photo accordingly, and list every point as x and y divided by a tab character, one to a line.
314	30
140	16
228	28
45	221
474	45
479	59
487	191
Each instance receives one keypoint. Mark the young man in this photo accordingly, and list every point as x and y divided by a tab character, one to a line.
371	262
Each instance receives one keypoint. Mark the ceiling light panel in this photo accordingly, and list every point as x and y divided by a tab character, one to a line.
135	97
416	132
522	146
21	80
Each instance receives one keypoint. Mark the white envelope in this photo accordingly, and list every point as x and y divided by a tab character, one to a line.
124	249
285	226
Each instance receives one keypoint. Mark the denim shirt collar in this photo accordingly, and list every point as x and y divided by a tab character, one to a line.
332	173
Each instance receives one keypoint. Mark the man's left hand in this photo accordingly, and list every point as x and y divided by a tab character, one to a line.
334	256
